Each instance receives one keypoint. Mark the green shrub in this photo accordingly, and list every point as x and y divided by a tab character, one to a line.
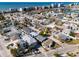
57	54
71	54
72	34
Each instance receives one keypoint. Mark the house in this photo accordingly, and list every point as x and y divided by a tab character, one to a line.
73	27
66	31
12	46
47	44
64	37
40	38
20	9
68	15
45	22
77	34
29	39
74	15
34	34
68	27
23	44
75	19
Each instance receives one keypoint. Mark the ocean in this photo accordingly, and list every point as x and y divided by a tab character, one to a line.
7	5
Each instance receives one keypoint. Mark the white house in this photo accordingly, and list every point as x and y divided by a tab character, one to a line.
59	5
30	40
34	34
75	19
64	37
20	9
41	38
52	5
66	31
70	26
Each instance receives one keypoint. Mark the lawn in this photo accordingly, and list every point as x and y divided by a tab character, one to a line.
56	46
57	54
73	42
71	54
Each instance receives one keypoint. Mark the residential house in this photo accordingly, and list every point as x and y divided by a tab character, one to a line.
29	39
47	44
64	37
40	38
34	34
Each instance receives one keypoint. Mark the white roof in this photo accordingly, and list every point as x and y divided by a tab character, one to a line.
77	31
13	31
30	40
34	33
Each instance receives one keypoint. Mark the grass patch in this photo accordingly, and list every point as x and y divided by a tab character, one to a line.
56	46
73	42
57	54
71	54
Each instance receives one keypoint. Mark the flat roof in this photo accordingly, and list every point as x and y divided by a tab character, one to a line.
30	40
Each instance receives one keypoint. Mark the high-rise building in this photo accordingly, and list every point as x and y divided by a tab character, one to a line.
59	5
36	8
20	9
10	9
43	7
52	5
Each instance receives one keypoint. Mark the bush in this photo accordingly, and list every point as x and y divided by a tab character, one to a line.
16	52
72	34
44	32
57	54
13	52
2	17
71	54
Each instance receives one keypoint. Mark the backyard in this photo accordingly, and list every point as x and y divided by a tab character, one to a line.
74	41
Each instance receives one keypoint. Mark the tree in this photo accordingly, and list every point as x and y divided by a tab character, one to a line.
13	52
57	54
44	32
72	34
16	52
71	54
2	17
